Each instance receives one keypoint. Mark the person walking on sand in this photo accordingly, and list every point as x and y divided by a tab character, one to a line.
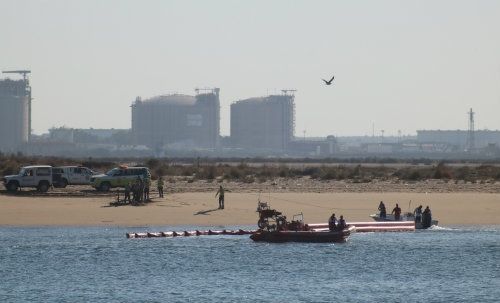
160	186
220	192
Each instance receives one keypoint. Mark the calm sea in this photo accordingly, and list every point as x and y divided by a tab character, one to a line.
47	264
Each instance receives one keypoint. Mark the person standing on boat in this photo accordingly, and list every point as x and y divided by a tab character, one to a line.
381	208
426	218
397	213
332	222
342	223
418	214
220	192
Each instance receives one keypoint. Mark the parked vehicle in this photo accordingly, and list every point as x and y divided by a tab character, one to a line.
71	175
119	177
38	176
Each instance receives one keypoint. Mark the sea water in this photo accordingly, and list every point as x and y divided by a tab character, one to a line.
49	264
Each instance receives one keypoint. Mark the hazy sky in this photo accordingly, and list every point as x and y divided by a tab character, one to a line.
404	65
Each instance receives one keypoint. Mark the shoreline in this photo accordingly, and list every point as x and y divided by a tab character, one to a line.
200	209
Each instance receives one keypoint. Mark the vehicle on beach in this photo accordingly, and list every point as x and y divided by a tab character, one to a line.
37	176
119	177
408	216
273	227
71	175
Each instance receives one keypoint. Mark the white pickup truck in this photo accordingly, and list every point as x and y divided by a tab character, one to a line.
38	176
71	175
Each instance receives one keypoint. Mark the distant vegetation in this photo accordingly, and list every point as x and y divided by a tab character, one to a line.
251	170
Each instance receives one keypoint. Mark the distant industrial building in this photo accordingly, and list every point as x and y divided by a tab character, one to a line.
15	113
322	146
177	121
264	122
459	138
89	135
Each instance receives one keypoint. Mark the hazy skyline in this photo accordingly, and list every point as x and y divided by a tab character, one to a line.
402	65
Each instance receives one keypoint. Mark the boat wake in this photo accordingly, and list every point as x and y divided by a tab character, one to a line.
441	228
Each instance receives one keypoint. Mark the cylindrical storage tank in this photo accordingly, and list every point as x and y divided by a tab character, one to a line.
14	115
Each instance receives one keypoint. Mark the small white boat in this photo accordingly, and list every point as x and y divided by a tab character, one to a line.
404	217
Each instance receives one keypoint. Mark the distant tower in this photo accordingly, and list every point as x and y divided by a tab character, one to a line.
470	144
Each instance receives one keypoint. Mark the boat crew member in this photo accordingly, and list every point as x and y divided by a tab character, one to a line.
418	214
397	213
332	222
381	208
159	184
426	218
342	223
220	192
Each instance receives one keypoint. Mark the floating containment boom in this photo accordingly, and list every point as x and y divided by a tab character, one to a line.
394	226
171	234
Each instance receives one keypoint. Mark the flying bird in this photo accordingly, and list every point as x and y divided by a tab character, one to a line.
329	82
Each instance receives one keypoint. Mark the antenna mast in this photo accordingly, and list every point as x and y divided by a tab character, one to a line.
471	144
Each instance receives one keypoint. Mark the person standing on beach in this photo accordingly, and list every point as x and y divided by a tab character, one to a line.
147	183
397	212
133	188
159	184
220	192
127	192
138	190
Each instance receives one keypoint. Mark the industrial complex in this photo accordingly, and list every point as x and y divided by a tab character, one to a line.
15	112
177	121
189	125
265	122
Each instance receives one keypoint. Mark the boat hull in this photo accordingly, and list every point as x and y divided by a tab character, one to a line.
303	236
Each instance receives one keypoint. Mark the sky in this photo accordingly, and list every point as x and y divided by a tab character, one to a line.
398	65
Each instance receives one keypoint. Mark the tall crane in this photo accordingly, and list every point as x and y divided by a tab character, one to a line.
286	91
24	73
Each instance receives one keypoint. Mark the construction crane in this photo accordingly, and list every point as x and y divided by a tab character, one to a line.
24	73
286	91
214	90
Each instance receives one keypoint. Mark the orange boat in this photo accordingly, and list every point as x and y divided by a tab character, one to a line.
273	227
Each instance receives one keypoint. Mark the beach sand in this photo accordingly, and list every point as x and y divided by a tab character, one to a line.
200	209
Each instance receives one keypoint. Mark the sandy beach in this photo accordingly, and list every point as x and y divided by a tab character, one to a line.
200	208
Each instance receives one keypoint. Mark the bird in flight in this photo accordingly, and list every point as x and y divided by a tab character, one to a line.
329	82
